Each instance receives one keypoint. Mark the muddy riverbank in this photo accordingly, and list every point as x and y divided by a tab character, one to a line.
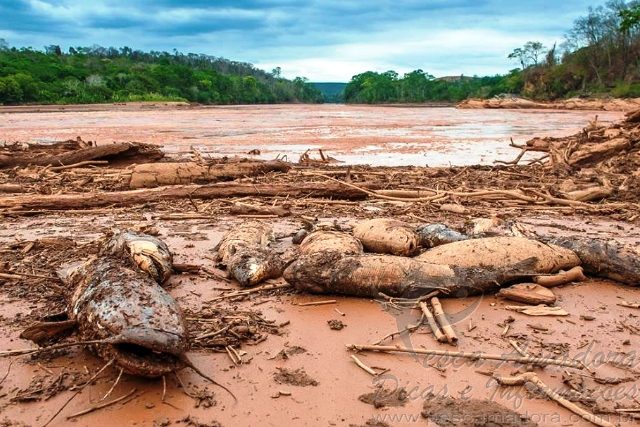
286	359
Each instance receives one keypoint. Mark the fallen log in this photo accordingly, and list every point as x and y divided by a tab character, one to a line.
247	209
593	153
589	194
118	154
150	175
12	188
209	191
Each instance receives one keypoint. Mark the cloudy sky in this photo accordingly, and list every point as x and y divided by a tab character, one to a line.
324	40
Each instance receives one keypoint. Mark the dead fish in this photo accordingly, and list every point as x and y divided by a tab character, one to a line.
140	326
149	253
387	236
369	275
502	252
604	258
325	240
432	235
245	253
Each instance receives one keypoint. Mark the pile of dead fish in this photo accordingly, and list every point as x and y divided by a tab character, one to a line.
117	303
390	257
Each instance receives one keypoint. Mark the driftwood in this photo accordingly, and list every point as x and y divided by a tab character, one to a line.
591	153
150	175
431	321
209	191
576	274
528	293
441	317
531	377
12	188
470	355
119	154
239	208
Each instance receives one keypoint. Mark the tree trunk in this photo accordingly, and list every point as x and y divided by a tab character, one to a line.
210	191
157	174
124	153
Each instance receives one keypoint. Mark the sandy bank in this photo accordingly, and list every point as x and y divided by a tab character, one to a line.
615	104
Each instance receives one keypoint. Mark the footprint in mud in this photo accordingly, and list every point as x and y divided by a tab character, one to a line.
450	412
297	377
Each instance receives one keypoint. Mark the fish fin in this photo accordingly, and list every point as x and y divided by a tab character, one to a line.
42	332
56	317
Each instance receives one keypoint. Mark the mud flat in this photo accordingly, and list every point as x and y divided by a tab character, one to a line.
352	134
284	353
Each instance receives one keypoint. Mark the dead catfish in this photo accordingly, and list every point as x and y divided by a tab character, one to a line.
112	300
244	251
432	235
369	275
149	253
604	258
502	252
387	236
334	241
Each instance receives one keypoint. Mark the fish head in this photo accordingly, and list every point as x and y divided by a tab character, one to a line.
139	325
149	253
145	352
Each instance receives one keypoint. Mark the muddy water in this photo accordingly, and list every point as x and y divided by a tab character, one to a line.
377	135
334	402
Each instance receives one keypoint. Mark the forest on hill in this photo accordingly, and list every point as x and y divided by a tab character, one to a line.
600	56
96	74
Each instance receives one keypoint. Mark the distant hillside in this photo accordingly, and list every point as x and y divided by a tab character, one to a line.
86	75
331	92
600	57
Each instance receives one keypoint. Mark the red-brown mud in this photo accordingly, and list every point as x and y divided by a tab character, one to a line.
354	134
598	329
278	330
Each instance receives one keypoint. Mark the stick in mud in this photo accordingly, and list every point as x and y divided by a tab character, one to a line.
531	377
441	317
469	355
431	321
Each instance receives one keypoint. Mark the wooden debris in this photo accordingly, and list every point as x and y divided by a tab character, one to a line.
441	317
245	209
150	175
538	310
576	274
531	377
209	191
469	355
431	321
364	367
528	293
